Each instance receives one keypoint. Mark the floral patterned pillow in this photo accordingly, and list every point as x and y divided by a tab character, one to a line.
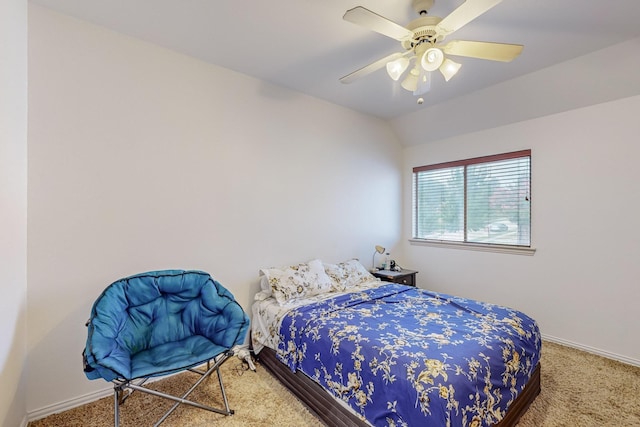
298	281
347	274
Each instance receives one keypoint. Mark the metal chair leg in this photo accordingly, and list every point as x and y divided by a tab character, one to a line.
224	395
117	391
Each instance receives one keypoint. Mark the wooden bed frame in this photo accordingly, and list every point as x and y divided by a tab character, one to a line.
333	413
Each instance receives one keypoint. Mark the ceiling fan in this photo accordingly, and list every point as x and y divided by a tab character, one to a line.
422	41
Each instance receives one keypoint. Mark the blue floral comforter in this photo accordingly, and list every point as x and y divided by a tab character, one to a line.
402	356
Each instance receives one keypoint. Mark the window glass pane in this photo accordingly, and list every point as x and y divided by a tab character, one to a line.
498	202
440	204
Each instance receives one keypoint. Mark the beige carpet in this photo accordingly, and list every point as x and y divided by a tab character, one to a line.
578	389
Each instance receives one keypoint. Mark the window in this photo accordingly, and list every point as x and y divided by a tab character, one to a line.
486	200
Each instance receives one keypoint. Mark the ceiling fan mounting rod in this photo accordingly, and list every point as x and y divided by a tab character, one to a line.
422	7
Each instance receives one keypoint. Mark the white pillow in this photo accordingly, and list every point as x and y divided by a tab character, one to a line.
264	283
345	275
297	281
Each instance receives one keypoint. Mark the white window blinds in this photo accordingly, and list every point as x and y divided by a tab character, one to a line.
483	200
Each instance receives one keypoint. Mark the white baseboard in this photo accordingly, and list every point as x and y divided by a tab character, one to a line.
69	404
24	422
593	350
79	401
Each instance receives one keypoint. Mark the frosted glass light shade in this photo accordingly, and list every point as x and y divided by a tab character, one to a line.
449	68
410	82
432	59
397	67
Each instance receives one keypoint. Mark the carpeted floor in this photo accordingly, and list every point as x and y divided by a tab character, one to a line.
578	389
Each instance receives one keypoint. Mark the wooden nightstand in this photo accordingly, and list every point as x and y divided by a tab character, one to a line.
404	277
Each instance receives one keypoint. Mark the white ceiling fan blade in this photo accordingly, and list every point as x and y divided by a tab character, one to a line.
368	69
372	21
483	50
465	13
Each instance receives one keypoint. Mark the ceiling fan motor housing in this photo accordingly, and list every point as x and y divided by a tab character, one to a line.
424	29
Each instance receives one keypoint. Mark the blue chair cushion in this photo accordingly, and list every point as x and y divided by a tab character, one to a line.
161	322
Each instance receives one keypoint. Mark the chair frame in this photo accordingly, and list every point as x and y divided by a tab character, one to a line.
120	385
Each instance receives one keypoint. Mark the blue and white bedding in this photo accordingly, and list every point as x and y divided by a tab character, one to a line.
402	356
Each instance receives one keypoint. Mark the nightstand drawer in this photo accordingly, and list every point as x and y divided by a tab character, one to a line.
409	279
403	277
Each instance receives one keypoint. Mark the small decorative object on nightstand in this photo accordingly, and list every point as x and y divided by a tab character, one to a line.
404	277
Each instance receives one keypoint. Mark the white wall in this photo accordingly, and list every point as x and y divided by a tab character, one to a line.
582	283
13	210
141	158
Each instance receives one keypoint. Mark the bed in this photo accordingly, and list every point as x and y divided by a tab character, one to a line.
359	351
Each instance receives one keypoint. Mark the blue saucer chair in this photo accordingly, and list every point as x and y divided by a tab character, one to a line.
159	323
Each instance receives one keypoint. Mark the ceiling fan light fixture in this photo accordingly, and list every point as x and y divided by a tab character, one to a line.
449	68
410	82
432	59
397	67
